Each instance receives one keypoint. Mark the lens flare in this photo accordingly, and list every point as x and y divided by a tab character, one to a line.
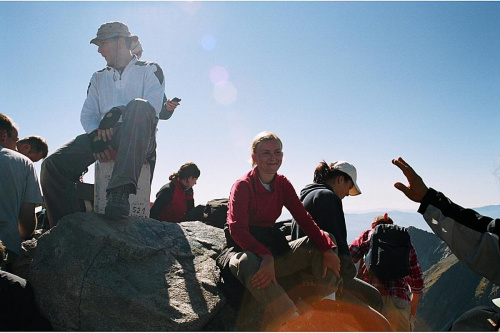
225	93
218	74
191	7
208	42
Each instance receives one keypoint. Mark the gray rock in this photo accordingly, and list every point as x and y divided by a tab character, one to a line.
135	274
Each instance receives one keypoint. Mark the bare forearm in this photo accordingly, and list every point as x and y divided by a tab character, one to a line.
27	220
415	299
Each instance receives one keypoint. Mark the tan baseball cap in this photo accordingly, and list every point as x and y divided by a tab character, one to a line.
112	29
349	169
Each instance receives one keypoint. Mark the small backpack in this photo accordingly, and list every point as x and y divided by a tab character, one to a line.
215	212
389	255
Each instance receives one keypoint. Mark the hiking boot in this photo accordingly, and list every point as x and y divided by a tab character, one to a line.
117	205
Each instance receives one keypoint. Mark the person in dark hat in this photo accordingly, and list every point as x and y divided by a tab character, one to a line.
119	116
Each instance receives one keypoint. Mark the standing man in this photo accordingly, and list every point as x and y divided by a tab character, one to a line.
401	296
20	192
119	116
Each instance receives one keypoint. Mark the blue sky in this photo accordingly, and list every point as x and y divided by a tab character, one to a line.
358	81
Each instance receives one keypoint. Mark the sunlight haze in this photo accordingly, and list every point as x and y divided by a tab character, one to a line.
363	82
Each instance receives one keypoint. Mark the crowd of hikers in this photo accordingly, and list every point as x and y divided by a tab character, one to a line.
378	271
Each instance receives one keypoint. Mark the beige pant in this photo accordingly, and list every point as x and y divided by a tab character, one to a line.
397	317
274	299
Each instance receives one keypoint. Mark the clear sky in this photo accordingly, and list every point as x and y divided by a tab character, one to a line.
358	81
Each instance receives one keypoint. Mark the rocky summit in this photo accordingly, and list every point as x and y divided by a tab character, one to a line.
134	274
138	274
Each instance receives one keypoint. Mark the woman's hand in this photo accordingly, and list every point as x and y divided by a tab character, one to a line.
265	274
331	261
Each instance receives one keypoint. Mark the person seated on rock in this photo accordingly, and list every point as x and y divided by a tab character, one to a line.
257	252
176	198
18	310
472	237
401	296
323	200
20	191
119	115
34	147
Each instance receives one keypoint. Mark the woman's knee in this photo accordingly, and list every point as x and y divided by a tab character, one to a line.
244	264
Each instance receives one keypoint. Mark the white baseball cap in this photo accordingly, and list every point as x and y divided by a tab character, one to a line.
350	170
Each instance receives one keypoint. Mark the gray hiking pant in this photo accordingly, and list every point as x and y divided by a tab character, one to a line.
274	298
133	138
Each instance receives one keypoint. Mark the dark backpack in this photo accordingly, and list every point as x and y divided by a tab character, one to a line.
215	212
389	255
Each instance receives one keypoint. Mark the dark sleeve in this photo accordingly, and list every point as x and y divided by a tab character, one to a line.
305	220
163	198
465	216
327	211
164	113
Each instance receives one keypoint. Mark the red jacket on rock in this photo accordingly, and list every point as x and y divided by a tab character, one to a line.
172	202
251	204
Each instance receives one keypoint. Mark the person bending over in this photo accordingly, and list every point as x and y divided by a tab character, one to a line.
323	200
176	198
34	147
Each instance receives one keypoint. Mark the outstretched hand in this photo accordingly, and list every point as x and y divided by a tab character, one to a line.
416	188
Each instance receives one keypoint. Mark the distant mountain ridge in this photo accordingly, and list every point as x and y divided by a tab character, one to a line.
451	289
357	223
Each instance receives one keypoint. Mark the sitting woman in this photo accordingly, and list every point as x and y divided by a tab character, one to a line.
257	252
176	198
323	200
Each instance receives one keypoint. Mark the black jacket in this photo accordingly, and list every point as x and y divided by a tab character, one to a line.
326	209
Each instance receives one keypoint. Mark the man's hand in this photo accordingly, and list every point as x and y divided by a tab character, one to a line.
416	188
104	134
170	105
105	130
331	261
103	156
265	275
27	220
101	150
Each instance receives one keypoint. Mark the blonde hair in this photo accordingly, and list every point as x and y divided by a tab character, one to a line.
261	137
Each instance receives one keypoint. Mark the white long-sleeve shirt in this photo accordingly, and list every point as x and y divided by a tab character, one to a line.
108	89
